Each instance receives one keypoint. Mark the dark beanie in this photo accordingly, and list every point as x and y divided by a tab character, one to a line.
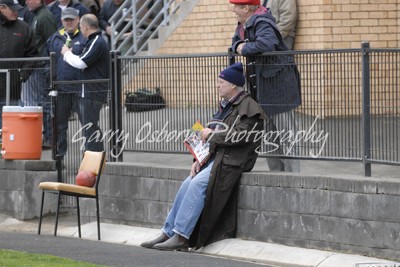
233	74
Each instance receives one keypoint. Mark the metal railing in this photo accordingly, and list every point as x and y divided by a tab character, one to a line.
136	22
349	112
350	102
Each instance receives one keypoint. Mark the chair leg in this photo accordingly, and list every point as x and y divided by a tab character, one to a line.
41	213
98	217
58	209
79	216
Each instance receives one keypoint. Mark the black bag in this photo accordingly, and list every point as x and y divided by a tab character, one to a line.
144	100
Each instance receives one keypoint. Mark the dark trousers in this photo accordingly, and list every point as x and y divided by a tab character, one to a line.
66	104
89	116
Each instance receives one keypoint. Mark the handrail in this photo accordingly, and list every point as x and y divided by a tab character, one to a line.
137	32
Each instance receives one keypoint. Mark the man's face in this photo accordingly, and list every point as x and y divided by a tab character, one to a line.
84	29
70	25
241	12
225	89
33	4
8	13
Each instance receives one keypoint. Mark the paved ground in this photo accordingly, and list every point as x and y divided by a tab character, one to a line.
120	247
22	236
109	254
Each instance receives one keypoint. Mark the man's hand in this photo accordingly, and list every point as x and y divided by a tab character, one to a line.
239	48
65	49
195	169
204	134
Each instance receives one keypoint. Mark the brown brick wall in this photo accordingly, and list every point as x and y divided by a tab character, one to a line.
322	24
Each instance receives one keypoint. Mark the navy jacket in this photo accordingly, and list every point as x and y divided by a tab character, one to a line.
64	71
96	56
274	80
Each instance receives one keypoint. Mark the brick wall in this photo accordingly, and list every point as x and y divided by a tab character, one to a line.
322	24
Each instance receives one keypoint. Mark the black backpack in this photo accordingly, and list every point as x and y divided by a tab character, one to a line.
144	100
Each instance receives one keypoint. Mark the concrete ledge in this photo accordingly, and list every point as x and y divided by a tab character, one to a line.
340	214
19	193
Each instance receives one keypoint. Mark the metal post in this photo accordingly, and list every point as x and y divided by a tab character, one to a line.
134	27
8	87
53	114
116	106
231	56
165	11
366	103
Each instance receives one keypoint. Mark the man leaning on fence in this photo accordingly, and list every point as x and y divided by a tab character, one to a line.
94	61
273	80
211	191
67	97
16	41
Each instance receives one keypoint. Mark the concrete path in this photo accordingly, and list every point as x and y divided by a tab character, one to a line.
244	250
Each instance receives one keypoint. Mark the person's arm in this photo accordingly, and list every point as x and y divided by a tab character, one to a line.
30	45
73	60
265	40
29	51
48	26
287	16
244	127
236	40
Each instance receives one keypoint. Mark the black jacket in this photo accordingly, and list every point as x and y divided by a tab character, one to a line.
16	41
232	157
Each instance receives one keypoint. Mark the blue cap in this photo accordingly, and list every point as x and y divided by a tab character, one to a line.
233	74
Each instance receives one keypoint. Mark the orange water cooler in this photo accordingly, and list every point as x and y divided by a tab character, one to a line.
22	132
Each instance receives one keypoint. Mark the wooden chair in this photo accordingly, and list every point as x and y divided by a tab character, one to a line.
93	162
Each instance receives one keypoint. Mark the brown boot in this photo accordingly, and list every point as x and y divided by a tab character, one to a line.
159	239
176	242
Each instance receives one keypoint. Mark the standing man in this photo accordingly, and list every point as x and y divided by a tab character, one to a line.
273	80
95	64
68	93
35	89
16	41
285	13
24	13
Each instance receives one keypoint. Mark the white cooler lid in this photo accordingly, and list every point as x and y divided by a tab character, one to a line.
23	109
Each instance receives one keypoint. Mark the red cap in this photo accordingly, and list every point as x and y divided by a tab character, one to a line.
245	2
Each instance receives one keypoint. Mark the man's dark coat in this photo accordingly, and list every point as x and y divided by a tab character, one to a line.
232	157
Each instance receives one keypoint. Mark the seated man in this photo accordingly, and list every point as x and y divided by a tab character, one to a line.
210	191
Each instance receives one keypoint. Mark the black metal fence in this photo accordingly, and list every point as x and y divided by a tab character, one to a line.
349	112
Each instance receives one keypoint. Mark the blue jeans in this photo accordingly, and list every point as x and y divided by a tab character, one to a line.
34	92
188	204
